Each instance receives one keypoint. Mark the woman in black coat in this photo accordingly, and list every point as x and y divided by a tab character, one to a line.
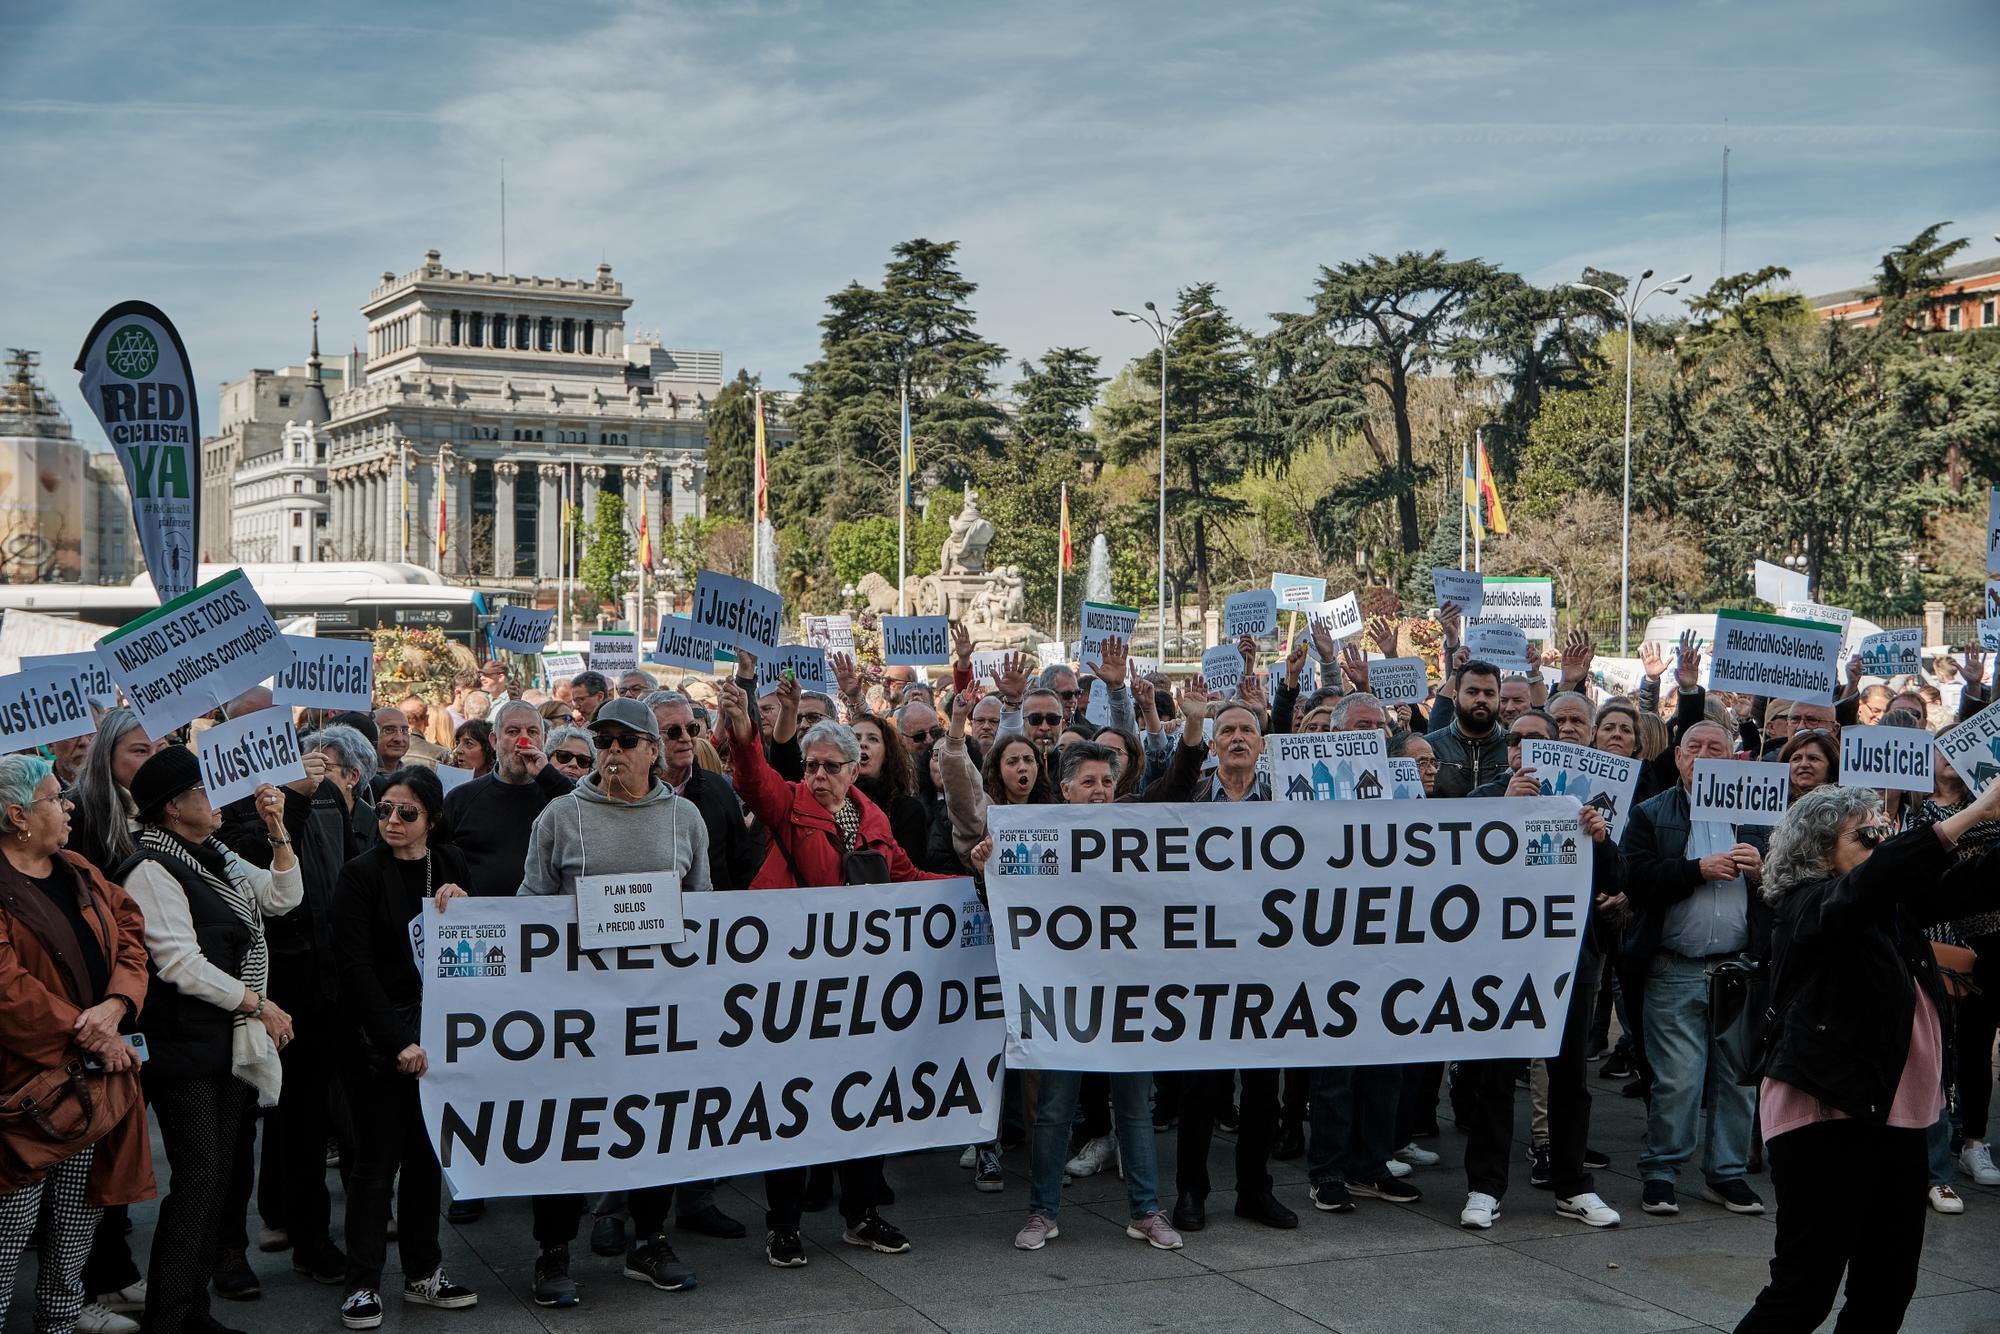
382	997
1854	1075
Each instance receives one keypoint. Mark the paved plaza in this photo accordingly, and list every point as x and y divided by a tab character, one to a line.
1385	1269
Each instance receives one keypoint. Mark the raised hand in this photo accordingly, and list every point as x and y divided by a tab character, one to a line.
1251	688
1012	679
961	645
735	707
1383	631
1651	660
1322	639
1687	661
1246	645
1451	618
961	708
1295	662
1117	655
1142	695
1354	665
844	675
1193	701
1854	673
1576	655
1593	824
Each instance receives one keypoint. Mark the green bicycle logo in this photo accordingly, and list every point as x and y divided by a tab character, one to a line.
132	352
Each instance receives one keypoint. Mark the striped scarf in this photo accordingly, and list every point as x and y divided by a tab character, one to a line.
209	860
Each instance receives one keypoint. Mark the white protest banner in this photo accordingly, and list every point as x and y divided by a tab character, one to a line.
806	664
95	678
195	653
1399	680
1992	599
1898	759
1308	678
1102	621
1048	655
1254	613
794	1026
915	641
1989	633
44	704
239	755
1801	610
1595	778
1973	748
737	612
1993	531
1298	591
627	911
1502	643
1778	585
680	646
1892	652
327	674
522	629
614	652
1747	792
1097	704
1341	616
986	664
563	666
136	378
1205	937
1406	781
1467	588
1328	766
1779	657
1526	600
830	632
1222	670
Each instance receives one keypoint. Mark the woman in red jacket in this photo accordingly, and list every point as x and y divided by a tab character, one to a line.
824	831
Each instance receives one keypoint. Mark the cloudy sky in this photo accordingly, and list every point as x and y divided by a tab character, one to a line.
737	162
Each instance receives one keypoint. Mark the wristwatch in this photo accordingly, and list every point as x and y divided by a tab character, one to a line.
279	842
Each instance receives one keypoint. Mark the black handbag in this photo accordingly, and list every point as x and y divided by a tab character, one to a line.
1741	1022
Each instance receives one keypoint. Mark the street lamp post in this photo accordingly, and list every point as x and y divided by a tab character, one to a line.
1628	305
1163	327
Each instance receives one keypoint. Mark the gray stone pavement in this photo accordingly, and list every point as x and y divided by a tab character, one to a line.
1385	1269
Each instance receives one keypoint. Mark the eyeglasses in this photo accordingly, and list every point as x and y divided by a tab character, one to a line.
570	757
1042	719
59	799
401	810
675	731
828	767
811	720
1871	835
631	692
1069	694
1426	764
918	738
622	740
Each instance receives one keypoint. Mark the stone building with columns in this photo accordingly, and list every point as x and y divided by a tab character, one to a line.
496	392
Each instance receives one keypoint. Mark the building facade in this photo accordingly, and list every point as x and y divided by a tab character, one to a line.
482	400
1967	298
253	415
65	515
282	509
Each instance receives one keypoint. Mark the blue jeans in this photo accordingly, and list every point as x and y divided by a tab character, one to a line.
1353	1120
1688	1073
1132	1115
1938	1142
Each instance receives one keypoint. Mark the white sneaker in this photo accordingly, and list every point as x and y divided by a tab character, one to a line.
1417	1156
1943	1199
1587	1208
1977	1160
97	1318
1481	1211
1397	1169
970	1158
131	1297
1093	1157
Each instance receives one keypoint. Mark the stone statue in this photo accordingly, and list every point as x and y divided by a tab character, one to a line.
877	593
964	550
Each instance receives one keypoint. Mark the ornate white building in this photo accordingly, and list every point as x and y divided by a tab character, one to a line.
281	509
496	390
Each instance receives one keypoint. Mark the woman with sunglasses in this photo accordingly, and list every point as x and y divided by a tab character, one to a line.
382	994
1853	1078
570	752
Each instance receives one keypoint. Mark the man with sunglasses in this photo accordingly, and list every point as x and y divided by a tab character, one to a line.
917	722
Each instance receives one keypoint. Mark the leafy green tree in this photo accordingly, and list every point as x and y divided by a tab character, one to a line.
856	546
607	551
732	448
1908	281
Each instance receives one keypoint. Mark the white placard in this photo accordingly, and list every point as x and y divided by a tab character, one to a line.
194	654
1097	704
327	674
1898	759
986	664
668	1070
1780	586
451	776
806	664
1892	653
1341	616
1296	592
42	705
96	680
1048	655
1102	621
1742	792
1801	610
629	911
1993	531
833	633
562	666
1502	643
522	629
1222	670
1989	633
1526	600
736	612
1406	781
1275	677
1399	680
1779	657
614	652
1973	748
1467	588
1328	766
1241	936
679	646
1593	777
1254	613
915	641
243	753
1992	599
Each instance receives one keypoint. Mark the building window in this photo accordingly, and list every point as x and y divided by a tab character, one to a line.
298	519
454	328
298	486
474	335
284	400
569	335
546	343
1986	313
499	331
1951	318
524	333
589	337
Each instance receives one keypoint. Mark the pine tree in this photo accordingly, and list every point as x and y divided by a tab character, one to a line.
732	448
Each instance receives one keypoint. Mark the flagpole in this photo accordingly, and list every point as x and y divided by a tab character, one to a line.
1465	458
1062	538
903	502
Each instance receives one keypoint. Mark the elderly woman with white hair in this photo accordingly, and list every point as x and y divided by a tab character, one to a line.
1853	1075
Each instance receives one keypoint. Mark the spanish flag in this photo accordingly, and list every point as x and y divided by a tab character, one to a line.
645	542
441	489
1068	551
1471	497
1496	515
763	498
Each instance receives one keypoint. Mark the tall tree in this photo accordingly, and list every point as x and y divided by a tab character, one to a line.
607	550
732	448
1908	281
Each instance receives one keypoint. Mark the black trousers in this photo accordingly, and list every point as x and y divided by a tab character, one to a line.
860	1190
1851	1197
389	1135
1201	1093
110	1265
200	1120
1417	1105
557	1217
1094	1105
1488	1102
311	1108
1974	1021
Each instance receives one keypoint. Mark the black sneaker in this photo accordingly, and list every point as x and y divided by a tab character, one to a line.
1538	1167
1657	1197
1734	1195
1597	1160
235	1279
439	1291
784	1248
1389	1188
653	1261
553	1285
321	1261
988	1177
876	1233
1332	1197
465	1211
362	1309
1618	1065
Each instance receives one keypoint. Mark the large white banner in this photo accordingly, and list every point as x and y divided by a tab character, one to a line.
1206	937
791	1027
1775	656
1527	601
327	674
194	653
1593	777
